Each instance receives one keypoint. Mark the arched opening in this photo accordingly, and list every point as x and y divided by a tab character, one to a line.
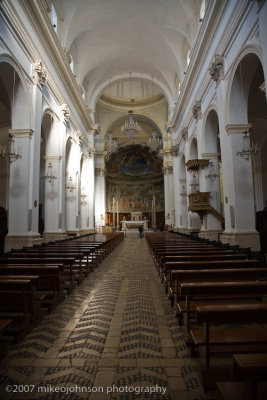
213	172
135	186
183	194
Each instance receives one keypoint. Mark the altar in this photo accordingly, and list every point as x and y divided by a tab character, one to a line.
134	224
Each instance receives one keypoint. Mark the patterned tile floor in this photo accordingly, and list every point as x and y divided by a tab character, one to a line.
114	337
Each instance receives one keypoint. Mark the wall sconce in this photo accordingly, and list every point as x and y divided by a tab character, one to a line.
211	175
247	149
70	185
50	177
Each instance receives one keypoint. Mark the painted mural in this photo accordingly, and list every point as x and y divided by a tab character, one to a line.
134	161
134	181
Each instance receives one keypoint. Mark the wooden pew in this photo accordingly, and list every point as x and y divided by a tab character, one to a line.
50	280
253	290
249	373
210	275
4	323
169	262
242	339
19	302
198	265
24	258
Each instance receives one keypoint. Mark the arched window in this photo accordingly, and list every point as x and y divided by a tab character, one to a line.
54	18
202	11
71	63
188	57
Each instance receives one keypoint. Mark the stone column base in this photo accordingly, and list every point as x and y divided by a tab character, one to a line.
211	235
18	241
52	236
244	239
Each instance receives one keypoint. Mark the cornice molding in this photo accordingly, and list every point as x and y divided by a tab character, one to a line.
237	128
21	133
36	12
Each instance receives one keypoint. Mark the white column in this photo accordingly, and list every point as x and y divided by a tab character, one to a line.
91	194
168	192
176	196
239	194
100	197
52	219
20	193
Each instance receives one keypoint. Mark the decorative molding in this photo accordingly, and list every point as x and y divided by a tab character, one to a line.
66	112
237	128
210	156
195	165
196	109
79	136
53	158
175	150
90	151
40	73
21	133
216	69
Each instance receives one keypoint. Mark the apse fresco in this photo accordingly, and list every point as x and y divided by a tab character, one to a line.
134	181
134	161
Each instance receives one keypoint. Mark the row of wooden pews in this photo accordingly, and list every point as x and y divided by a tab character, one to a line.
220	292
36	279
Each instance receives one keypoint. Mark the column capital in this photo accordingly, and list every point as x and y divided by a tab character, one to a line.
21	133
65	111
196	109
174	150
216	69
237	128
40	74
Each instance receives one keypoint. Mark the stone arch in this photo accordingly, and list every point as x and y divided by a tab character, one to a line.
239	83
17	88
193	149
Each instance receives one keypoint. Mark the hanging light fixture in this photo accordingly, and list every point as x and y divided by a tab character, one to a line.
70	185
50	177
130	126
11	155
247	148
212	174
83	194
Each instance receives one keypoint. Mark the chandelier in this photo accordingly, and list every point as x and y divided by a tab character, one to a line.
130	126
10	156
247	148
50	177
70	185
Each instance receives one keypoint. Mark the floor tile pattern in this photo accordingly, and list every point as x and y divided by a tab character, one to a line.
115	334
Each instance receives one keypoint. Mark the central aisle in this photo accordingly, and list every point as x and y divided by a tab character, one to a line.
116	328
